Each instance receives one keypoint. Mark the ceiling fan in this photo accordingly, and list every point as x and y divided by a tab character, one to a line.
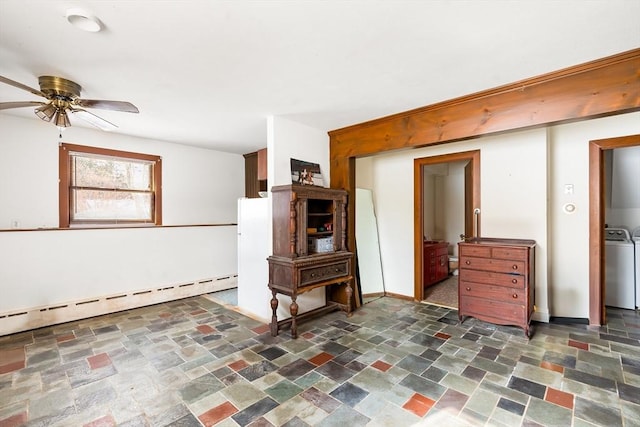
64	97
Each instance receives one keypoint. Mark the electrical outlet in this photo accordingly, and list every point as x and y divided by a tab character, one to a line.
568	189
15	223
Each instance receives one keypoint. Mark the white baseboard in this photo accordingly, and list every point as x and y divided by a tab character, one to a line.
540	316
37	317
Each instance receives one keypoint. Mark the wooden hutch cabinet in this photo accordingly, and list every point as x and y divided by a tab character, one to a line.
255	173
309	248
497	281
435	263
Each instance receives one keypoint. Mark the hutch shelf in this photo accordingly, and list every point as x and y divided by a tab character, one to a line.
309	249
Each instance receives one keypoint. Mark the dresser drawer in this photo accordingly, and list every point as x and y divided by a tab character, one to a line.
475	250
494	311
491	278
501	252
521	254
442	251
495	293
491	264
312	275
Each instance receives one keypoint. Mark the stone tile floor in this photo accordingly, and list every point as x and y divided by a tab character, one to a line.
194	362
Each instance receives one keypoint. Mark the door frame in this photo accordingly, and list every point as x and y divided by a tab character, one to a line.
597	312
418	210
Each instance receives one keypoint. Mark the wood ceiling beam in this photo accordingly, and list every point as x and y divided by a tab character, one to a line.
598	88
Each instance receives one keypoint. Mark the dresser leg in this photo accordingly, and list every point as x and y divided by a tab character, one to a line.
274	317
294	312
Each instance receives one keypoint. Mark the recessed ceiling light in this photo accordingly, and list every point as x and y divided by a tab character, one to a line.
83	20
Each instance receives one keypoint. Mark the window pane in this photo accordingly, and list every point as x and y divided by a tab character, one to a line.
104	172
90	205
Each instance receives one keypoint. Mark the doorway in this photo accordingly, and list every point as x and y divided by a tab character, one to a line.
597	313
471	203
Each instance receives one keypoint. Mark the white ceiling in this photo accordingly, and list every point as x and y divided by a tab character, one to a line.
208	73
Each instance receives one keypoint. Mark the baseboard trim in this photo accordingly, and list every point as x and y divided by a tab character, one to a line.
373	295
398	296
37	317
540	316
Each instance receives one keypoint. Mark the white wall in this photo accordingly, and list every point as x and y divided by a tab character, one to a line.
454	206
286	139
622	183
199	187
522	182
429	204
513	200
569	248
41	268
443	203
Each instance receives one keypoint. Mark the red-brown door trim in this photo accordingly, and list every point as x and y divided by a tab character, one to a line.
597	312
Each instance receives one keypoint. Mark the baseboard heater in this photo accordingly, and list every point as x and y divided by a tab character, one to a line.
568	320
37	317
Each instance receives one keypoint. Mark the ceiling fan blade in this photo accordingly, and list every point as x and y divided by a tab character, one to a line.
19	104
127	107
21	86
91	118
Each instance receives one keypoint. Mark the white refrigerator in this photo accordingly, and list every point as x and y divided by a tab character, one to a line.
254	246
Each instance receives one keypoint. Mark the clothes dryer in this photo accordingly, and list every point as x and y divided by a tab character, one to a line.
620	288
635	238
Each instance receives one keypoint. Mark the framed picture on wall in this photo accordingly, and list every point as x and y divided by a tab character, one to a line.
306	173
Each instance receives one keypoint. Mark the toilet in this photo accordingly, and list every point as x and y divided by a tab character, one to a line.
453	265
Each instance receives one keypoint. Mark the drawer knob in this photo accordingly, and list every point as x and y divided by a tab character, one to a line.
468	262
515	267
313	274
468	288
514	281
337	270
515	296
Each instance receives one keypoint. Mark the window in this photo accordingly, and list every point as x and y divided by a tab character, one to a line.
108	187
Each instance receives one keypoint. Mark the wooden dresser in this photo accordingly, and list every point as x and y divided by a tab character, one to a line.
497	281
436	262
309	249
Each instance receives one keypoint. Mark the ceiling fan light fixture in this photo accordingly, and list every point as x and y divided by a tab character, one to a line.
62	97
61	119
83	20
46	112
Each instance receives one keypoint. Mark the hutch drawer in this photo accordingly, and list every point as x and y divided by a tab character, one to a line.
324	272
